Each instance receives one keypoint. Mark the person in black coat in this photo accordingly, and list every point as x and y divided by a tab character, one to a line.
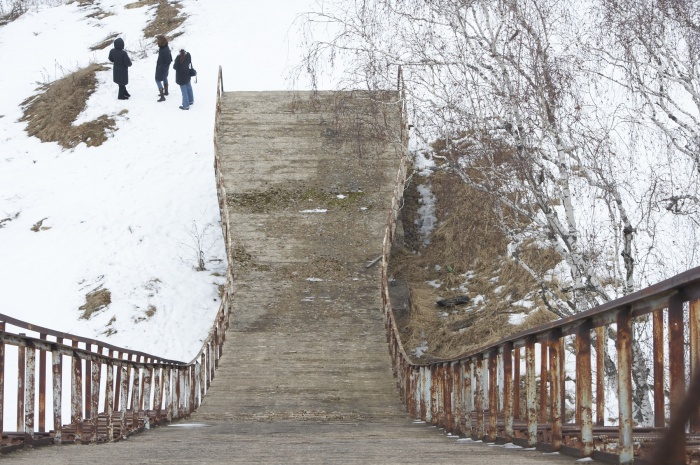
182	64
163	66
121	61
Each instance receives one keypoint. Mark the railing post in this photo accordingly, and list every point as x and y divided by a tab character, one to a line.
507	357
531	392
468	397
57	371
694	320
676	357
543	381
77	395
493	396
659	384
425	407
457	402
124	399
87	394
30	387
157	394
42	388
447	395
584	385
556	358
95	376
600	375
624	383
2	381
434	399
109	400
516	383
167	374
479	397
21	380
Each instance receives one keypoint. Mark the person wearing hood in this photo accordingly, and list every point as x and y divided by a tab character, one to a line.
162	66
121	61
182	64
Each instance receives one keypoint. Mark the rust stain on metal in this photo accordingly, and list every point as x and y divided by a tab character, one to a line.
676	357
516	383
57	372
30	388
600	339
479	396
658	362
694	320
556	371
543	382
21	366
42	388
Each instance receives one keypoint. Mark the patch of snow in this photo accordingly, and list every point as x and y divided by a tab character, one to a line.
499	289
479	299
524	303
421	350
314	280
435	283
517	318
315	210
341	196
426	213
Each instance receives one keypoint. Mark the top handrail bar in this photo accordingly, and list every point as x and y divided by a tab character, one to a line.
641	298
86	340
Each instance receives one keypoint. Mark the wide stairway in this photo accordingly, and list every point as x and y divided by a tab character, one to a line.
306	375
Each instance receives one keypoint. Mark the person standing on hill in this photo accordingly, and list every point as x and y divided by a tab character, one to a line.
182	64
162	66
121	61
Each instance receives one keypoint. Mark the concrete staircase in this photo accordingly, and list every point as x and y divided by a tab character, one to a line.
306	375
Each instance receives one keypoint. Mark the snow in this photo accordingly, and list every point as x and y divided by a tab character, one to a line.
517	318
131	214
315	210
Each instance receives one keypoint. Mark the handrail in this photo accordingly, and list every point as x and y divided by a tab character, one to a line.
480	392
138	390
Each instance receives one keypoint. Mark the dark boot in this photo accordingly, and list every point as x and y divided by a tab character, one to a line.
166	89
162	96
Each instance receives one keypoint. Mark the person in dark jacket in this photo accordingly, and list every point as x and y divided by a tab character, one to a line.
162	66
182	76
121	61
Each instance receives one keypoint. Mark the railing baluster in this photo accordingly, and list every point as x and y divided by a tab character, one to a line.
659	385
624	386
42	387
479	397
493	397
109	400
21	364
600	376
157	394
507	357
57	371
87	395
124	398
543	382
30	387
516	383
584	386
531	392
95	375
694	320
77	395
556	372
457	398
676	357
468	397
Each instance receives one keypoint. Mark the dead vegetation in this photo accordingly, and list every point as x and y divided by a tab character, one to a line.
166	20
465	256
106	42
95	300
50	114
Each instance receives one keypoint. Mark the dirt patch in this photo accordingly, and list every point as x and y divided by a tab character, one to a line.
95	300
50	114
38	226
464	255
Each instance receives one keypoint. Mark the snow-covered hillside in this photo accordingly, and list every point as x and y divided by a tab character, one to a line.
126	216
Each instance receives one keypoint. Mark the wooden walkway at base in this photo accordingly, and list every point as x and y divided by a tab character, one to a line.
306	375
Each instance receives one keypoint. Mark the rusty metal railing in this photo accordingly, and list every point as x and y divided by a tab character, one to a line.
515	390
71	389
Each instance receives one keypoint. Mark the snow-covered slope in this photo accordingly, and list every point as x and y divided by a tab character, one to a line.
126	215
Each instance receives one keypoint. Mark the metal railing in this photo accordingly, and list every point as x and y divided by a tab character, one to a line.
515	390
71	389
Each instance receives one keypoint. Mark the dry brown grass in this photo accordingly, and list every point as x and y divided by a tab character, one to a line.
466	254
95	300
167	17
106	42
50	114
